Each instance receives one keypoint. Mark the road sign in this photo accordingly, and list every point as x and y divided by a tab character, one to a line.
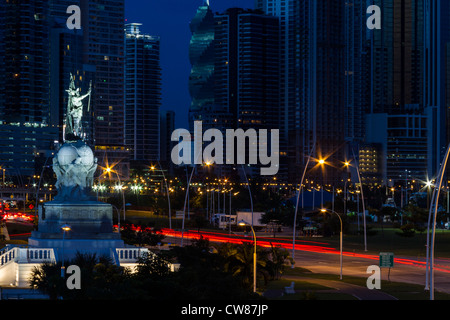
386	260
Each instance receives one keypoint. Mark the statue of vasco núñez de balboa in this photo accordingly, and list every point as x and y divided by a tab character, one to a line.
75	109
74	164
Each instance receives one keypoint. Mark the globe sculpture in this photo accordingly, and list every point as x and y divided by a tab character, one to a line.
74	166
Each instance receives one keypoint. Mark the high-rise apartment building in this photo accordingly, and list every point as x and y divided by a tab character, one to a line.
357	73
25	119
103	47
25	63
247	68
397	57
285	10
142	95
318	117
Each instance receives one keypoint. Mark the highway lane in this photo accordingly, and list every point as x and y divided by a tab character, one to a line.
319	257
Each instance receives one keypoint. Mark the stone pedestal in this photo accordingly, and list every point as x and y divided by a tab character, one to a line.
91	229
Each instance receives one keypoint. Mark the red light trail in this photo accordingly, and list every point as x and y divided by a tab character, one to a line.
307	246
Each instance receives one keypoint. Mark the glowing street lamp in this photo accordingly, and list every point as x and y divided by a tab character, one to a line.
65	228
243	223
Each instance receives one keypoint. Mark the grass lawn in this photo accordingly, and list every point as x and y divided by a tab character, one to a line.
402	291
309	291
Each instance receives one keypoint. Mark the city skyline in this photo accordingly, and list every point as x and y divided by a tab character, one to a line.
175	37
155	135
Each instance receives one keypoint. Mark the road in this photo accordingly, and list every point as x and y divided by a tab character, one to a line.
318	257
406	269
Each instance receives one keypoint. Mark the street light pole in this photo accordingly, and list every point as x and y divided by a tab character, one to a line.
437	192
363	204
341	237
39	187
244	223
168	194
109	170
298	199
249	191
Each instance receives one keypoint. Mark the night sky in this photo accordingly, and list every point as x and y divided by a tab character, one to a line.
170	20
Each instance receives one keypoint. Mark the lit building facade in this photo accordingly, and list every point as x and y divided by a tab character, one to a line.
142	95
103	48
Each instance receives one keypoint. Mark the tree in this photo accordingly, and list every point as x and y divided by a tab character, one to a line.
47	279
277	262
140	235
100	279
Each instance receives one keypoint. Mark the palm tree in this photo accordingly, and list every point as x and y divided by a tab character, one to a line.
47	279
279	258
239	261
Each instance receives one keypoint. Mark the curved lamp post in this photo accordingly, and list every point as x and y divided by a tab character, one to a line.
186	200
362	200
341	236
168	192
108	170
39	186
243	223
436	195
298	199
249	191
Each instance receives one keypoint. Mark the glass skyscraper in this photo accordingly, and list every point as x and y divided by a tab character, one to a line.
201	56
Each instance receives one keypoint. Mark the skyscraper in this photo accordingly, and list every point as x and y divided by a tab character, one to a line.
247	68
398	54
25	62
25	118
103	47
285	10
201	56
142	95
247	77
436	89
317	119
357	73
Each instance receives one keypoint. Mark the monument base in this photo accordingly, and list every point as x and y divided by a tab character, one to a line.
89	229
67	249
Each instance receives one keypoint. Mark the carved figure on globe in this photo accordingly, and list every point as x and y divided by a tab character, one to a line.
74	164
